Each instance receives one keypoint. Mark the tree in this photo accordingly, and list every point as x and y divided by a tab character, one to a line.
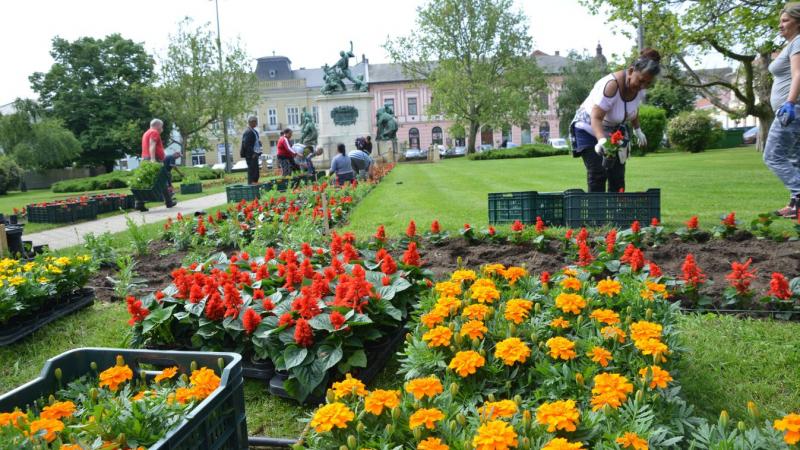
97	88
192	90
36	142
475	57
673	98
579	78
742	31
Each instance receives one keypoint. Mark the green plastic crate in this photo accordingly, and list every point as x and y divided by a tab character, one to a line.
611	208
218	422
192	188
506	207
239	192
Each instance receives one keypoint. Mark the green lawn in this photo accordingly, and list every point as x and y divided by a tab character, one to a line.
455	191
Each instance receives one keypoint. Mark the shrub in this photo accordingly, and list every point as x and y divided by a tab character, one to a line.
694	131
524	151
198	173
144	177
10	174
653	121
113	180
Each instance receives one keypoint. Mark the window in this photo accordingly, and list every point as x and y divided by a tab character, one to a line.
436	136
215	125
272	74
412	106
231	127
315	112
413	138
390	103
198	156
293	116
272	117
544	131
544	99
221	153
487	136
460	142
526	134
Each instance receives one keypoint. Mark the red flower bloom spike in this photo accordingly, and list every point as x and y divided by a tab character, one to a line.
654	222
492	231
303	334
337	320
136	310
517	226
544	277
250	320
583	235
779	287
636	227
692	274
655	271
435	228
411	230
634	257
617	137
584	254
411	256
692	223
741	276
611	241
568	234
380	234
730	220
540	225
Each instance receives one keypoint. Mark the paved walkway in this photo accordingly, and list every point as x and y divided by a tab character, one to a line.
72	235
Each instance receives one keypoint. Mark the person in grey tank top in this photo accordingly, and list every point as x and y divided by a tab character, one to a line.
782	149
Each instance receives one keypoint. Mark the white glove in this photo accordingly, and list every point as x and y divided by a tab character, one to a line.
641	139
600	148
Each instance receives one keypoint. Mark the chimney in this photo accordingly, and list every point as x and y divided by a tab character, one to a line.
599	49
557	53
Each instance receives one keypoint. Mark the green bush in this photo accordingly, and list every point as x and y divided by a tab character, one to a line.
144	177
113	180
523	151
694	131
199	173
10	174
653	121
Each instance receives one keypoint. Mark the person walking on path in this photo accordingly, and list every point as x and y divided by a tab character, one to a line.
782	149
251	149
341	166
152	147
613	102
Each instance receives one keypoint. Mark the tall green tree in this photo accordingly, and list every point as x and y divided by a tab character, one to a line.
34	141
192	90
475	55
97	88
744	32
578	79
674	98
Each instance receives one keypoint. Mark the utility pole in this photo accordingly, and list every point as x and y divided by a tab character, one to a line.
641	27
222	80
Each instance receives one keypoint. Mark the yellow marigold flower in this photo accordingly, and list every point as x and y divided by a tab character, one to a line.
49	426
450	304
609	287
570	272
425	416
432	443
331	415
517	310
606	316
475	312
420	387
13	418
561	348
466	363
492	269
558	415
600	356
571	283
512	350
70	447
610	389
448	289
632	440
83	258
570	303
474	329
560	322
349	386
184	395
647	294
379	399
484	282
463	275
43	280
16	280
484	294
495	435
139	396
438	337
497	410
790	423
657	287
29	266
204	381
659	377
115	376
434	317
53	269
513	274
562	444
166	374
652	347
612	332
58	410
643	330
63	261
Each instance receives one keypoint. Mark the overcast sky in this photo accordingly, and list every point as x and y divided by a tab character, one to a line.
310	33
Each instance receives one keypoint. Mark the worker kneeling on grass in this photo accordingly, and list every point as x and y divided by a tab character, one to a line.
362	164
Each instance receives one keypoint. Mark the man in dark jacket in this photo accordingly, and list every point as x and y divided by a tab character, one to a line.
251	149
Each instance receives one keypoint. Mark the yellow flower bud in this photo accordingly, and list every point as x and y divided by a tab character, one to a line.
578	321
396	413
537	308
221	364
723	418
526	418
360	427
491	397
352	442
389	429
459	263
461	419
93	366
458	339
476	342
452	426
752	409
629	310
58	374
452	326
409	337
639	396
648	314
342	447
193	366
579	379
120	361
453	389
93	394
122	439
518	399
742	427
330	396
417	432
525	443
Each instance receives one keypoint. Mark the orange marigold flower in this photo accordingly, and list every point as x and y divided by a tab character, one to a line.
184	395
434	317
561	348
13	418
349	386
562	444
790	423
331	415
495	435
438	337
421	387
497	410
658	376
47	428
606	316
114	376
166	374
379	399
600	356
484	294
463	275
643	330
571	283
513	274
612	332
610	389
560	322
492	269
653	347
204	381
609	287
475	329
517	310
448	289
558	415
466	363
512	350
476	312
632	440
58	410
425	416
449	304
570	303
432	443
70	447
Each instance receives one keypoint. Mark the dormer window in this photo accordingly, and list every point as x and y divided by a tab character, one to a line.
272	74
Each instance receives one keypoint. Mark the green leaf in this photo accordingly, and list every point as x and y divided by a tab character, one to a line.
329	355
156	318
387	292
294	355
321	322
310	376
357	359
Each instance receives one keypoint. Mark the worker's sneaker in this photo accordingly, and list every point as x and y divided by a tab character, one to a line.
789	210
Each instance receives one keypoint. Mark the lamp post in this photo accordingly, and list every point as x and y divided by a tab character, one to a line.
222	80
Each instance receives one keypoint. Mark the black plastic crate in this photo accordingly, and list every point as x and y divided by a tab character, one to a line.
192	188
37	214
51	309
239	192
218	422
611	208
506	207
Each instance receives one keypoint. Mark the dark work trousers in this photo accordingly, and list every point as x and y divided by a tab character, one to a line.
597	175
252	169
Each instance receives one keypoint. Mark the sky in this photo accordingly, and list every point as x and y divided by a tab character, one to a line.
310	33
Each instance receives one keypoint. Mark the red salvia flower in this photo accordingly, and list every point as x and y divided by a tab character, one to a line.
568	234
215	309
435	228
517	226
250	320
692	223
136	310
303	334
337	320
584	254
655	271
692	274
583	235
654	222
386	280
779	287
269	255
636	227
307	303
741	276
196	293
544	277
617	137
411	256
411	230
611	240
540	225
466	227
159	295
349	253
380	235
286	320
307	251
267	304
730	220
388	266
336	244
258	294
634	257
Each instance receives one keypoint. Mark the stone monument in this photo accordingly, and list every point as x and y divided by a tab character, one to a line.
386	139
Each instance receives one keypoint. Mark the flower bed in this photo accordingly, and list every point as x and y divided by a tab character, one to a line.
312	313
113	399
78	208
499	360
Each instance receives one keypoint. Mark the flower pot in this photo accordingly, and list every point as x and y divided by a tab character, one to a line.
259	369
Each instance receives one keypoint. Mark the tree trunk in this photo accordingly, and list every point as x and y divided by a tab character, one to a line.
109	166
186	159
471	135
763	129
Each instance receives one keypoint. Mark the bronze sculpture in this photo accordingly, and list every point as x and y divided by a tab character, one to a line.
387	124
308	136
334	76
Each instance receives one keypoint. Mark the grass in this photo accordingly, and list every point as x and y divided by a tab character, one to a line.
455	191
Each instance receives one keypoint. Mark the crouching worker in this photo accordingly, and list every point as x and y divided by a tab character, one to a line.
170	163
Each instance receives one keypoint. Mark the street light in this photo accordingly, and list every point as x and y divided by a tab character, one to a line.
224	119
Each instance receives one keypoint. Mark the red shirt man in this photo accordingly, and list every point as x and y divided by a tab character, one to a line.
152	147
284	149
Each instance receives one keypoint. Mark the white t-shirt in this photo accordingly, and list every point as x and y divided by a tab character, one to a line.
613	106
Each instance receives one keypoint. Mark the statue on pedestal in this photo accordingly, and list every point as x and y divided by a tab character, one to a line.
387	124
308	131
334	76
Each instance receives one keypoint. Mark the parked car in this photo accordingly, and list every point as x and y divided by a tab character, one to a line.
557	143
414	153
485	148
218	166
750	136
511	145
444	151
460	150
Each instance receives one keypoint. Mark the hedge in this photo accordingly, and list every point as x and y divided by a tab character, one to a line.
121	179
524	151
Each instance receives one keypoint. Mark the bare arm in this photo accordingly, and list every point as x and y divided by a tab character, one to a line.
635	122
597	122
152	149
794	91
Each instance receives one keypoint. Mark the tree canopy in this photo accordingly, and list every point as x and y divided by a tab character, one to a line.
37	142
578	79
